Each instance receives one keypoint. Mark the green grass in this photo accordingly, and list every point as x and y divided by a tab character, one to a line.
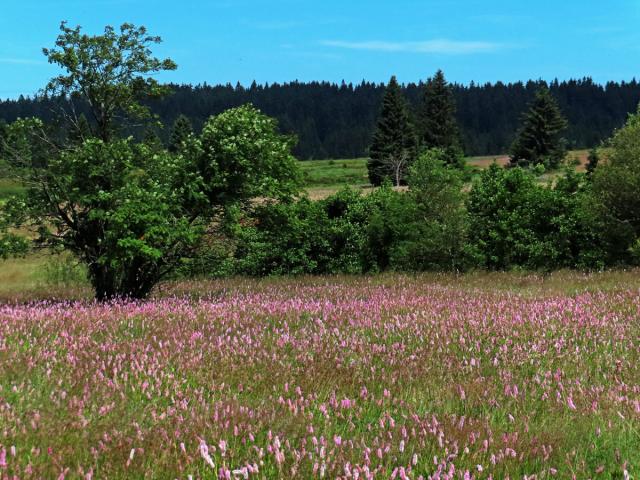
335	173
41	275
322	178
9	188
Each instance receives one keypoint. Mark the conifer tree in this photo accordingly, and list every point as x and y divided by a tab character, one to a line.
151	138
394	143
179	133
437	120
592	161
539	140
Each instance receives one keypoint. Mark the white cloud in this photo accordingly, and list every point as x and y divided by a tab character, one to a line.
441	46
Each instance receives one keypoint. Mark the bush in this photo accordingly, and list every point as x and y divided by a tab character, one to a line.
516	222
616	184
304	237
424	229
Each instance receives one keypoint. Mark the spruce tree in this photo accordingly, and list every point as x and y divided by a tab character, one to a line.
179	133
151	138
437	120
539	140
592	161
393	147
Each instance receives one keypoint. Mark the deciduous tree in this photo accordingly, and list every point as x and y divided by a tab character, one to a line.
131	211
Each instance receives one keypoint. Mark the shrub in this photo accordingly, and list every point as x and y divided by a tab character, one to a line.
424	229
616	184
517	222
304	237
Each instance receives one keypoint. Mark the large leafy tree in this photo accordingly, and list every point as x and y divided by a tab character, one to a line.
539	140
437	119
111	74
436	232
616	183
394	143
133	212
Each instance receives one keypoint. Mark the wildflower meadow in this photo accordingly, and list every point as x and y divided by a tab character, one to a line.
341	377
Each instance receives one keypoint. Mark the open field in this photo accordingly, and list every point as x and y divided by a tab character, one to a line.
41	276
324	177
8	188
479	376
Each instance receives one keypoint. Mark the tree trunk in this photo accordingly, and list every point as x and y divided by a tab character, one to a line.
103	280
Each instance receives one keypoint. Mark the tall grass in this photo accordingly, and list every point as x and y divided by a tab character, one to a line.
389	376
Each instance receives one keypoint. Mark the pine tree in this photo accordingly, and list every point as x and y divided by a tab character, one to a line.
539	139
437	119
592	161
393	147
179	133
152	139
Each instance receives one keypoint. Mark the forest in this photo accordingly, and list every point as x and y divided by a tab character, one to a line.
338	121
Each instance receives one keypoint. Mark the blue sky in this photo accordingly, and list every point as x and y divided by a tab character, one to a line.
220	41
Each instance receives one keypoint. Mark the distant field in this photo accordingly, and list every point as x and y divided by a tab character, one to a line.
8	188
324	177
486	160
323	173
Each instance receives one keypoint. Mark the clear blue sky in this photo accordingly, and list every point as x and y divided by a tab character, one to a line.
220	41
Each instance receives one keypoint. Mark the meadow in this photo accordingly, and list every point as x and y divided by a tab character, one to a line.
487	375
322	178
8	188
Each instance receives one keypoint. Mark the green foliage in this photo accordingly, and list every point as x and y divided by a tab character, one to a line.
112	73
126	211
517	222
616	184
439	229
133	213
394	143
424	229
437	120
80	130
25	145
592	161
12	245
305	237
180	133
539	140
241	156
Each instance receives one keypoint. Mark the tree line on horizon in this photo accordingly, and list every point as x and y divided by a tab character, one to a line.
338	121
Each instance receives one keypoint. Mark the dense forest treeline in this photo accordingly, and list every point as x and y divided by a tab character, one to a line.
338	121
